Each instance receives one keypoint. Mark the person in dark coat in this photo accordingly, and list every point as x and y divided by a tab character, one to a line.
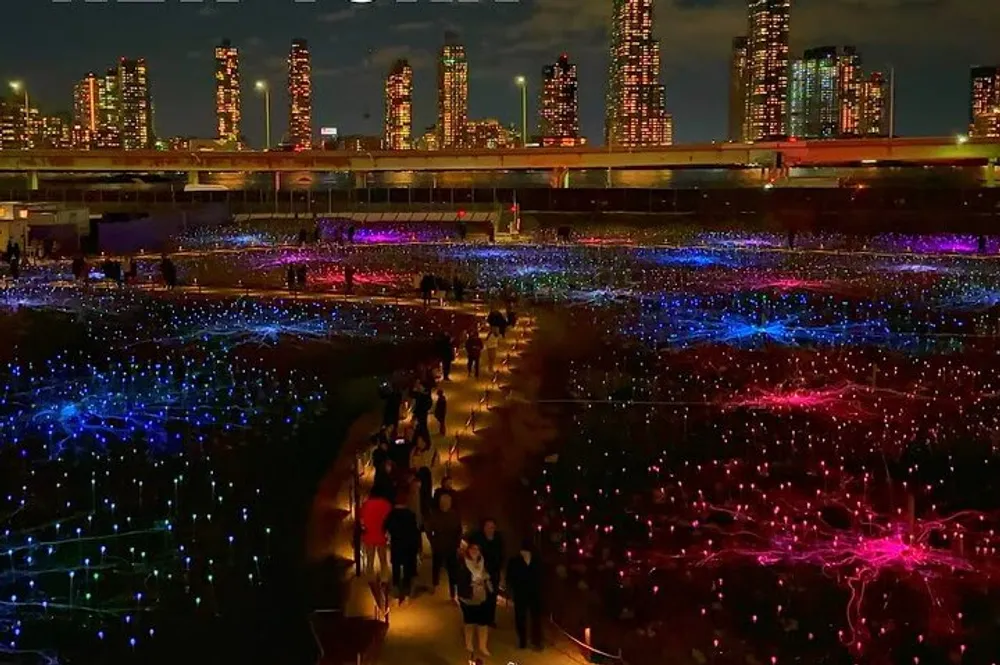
427	284
474	351
404	545
445	348
444	530
445	489
524	585
490	543
441	412
476	597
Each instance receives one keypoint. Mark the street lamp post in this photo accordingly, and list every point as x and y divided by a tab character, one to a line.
522	83
18	86
262	86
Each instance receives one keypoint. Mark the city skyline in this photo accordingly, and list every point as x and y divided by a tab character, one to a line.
698	104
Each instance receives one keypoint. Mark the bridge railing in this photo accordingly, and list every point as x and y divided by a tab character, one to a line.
786	207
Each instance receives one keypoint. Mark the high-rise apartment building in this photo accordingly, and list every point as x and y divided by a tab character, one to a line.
984	102
135	111
849	82
875	106
825	93
635	113
227	93
300	96
813	106
738	90
86	112
399	107
453	94
767	69
109	109
559	112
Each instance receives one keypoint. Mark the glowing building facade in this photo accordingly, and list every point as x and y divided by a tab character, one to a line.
767	69
299	96
875	106
559	112
453	94
984	102
490	134
635	113
135	111
227	94
825	94
399	107
86	112
737	128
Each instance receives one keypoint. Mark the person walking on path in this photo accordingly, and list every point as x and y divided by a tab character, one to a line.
374	542
444	531
490	544
441	412
474	592
492	346
422	405
524	585
473	350
423	459
446	353
445	488
404	543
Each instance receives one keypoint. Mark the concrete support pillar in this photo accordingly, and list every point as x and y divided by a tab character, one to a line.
991	173
559	178
360	179
33	181
192	178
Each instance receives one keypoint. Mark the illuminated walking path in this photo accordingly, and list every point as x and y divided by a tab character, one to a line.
428	630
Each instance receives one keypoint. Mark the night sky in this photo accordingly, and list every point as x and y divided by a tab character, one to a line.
51	44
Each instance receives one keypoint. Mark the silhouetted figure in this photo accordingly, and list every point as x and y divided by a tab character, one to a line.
349	279
79	268
290	278
791	239
168	271
524	583
445	349
303	236
300	275
982	245
463	231
427	288
350	234
459	286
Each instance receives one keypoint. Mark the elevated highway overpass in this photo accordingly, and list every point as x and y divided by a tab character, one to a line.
774	157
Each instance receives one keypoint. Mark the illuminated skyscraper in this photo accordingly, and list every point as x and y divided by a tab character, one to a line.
86	116
559	115
109	133
874	104
453	94
984	102
399	107
849	82
825	90
227	93
635	113
299	96
738	90
135	113
767	77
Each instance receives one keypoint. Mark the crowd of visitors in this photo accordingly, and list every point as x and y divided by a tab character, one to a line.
406	522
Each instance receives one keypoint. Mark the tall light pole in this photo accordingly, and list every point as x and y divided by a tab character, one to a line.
18	86
261	86
522	83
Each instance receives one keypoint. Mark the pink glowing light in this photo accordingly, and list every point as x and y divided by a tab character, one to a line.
834	401
594	240
334	276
